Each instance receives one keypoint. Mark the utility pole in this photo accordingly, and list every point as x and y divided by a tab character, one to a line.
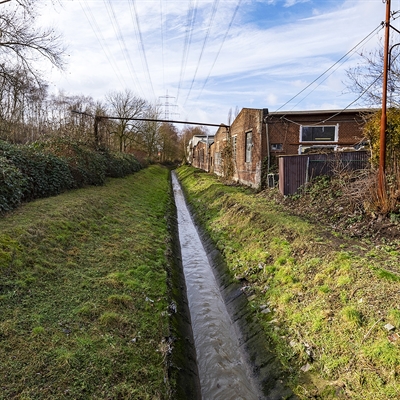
382	154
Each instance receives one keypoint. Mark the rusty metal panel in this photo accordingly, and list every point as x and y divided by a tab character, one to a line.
295	171
292	173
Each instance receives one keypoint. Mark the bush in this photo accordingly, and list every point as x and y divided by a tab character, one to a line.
45	174
119	165
86	166
12	182
372	132
45	169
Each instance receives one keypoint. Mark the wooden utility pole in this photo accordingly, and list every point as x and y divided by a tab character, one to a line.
382	154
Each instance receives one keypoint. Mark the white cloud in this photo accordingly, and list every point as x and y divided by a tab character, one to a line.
258	63
290	3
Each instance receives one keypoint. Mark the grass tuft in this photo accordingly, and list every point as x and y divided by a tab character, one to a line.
351	315
112	320
120	300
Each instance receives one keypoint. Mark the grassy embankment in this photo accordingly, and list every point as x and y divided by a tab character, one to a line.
83	293
322	300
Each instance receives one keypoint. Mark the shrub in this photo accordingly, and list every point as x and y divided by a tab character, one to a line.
45	175
86	166
372	132
119	165
44	169
12	182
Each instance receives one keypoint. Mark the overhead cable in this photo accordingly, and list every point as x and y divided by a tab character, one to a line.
213	13
331	67
122	44
97	32
220	48
339	112
135	16
190	21
162	40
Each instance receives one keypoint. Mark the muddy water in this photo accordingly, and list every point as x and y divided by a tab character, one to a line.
224	372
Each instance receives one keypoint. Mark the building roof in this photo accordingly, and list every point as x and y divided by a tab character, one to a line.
316	112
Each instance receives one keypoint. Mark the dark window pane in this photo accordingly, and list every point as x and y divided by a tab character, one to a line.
307	134
318	133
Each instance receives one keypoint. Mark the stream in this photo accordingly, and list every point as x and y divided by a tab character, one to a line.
223	370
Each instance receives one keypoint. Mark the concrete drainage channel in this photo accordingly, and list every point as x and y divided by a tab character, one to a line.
227	356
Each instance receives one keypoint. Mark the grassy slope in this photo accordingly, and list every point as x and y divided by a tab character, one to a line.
329	297
83	293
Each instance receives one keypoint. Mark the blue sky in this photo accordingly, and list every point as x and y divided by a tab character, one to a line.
212	55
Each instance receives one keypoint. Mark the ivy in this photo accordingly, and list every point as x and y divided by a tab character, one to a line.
228	167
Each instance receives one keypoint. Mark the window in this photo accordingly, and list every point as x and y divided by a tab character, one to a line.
249	146
217	158
276	146
234	146
318	133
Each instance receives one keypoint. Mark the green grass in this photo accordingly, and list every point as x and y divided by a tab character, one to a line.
77	272
331	304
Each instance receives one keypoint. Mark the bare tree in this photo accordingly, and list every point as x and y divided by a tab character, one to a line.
22	90
150	134
366	78
169	143
22	44
125	105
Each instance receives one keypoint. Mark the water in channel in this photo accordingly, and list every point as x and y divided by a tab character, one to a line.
224	373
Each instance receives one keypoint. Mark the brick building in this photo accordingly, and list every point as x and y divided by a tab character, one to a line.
199	151
245	135
257	138
296	132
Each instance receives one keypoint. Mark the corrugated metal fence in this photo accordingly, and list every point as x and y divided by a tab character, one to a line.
295	171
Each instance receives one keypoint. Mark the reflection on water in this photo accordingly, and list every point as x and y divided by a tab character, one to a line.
224	373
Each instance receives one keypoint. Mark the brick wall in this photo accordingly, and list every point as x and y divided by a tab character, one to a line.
220	138
247	170
284	129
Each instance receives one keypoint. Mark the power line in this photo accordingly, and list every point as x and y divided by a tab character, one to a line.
339	112
213	13
122	44
100	39
220	48
331	67
140	39
100	117
190	20
344	58
162	40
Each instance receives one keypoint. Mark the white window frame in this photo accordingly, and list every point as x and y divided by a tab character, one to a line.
319	126
248	146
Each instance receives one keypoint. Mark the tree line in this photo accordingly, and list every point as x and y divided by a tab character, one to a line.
30	113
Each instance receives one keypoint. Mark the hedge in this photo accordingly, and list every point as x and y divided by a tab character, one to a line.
45	169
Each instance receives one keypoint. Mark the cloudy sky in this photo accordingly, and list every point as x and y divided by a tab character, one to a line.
204	57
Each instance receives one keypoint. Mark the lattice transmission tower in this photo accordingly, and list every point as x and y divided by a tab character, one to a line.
168	106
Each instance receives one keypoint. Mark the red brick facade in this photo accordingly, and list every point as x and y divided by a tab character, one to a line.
285	130
256	135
